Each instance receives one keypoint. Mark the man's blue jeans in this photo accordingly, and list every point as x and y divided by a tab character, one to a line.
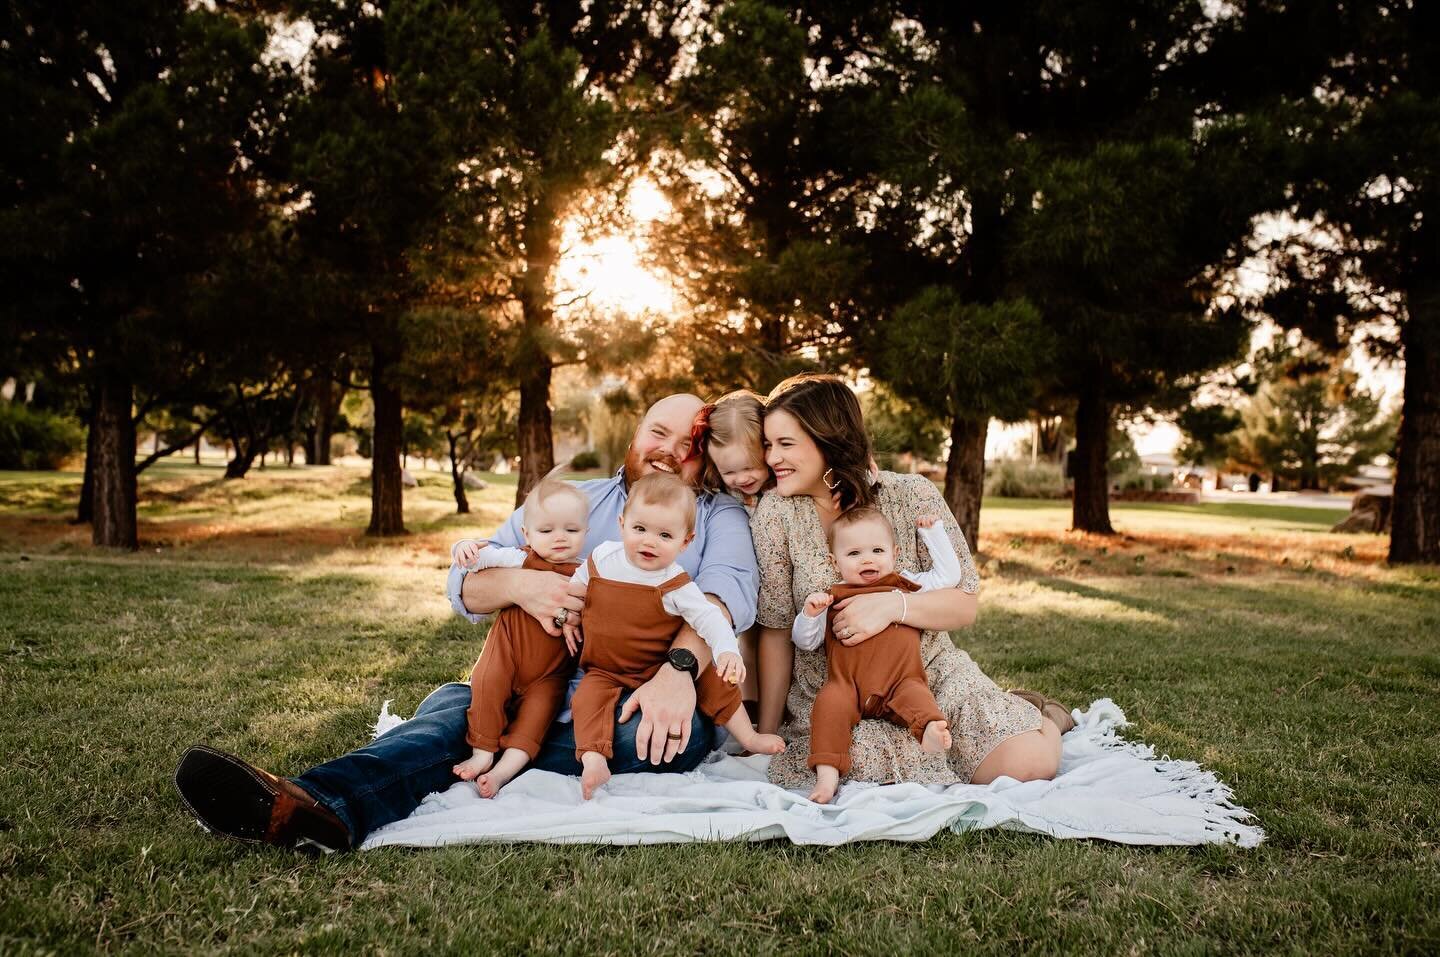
388	778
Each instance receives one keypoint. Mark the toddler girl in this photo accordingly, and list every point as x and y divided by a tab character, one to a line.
636	599
729	436
882	677
522	670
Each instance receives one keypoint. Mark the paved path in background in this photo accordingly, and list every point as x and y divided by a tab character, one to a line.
1301	499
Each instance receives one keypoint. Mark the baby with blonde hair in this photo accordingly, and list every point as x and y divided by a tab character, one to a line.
519	682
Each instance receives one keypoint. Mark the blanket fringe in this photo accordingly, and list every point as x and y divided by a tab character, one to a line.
1098	729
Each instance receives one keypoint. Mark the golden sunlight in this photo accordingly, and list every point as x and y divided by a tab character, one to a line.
607	273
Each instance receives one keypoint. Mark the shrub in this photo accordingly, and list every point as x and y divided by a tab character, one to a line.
32	439
1012	478
585	460
1138	480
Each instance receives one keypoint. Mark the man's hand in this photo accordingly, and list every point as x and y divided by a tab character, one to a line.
862	617
543	595
666	703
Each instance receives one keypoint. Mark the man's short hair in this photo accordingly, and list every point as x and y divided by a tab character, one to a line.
667	491
548	488
858	516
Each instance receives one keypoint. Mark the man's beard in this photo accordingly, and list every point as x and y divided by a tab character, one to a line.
634	465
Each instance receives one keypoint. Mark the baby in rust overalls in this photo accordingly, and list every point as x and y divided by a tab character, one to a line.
882	677
518	685
636	600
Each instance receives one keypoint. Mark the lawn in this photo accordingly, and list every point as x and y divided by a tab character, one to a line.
256	617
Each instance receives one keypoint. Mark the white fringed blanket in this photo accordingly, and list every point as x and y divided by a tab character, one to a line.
1108	788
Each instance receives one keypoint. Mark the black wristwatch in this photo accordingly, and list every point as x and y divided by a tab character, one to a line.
682	660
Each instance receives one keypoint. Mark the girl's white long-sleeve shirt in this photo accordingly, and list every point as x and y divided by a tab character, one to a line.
687	601
809	633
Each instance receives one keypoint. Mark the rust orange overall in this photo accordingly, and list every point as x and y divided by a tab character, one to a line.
628	633
879	678
518	685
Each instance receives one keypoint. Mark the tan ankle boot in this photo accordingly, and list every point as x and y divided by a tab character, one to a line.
1049	707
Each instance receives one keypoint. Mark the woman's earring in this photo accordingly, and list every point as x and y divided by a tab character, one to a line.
826	479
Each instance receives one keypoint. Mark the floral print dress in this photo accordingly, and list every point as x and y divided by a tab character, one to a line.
795	561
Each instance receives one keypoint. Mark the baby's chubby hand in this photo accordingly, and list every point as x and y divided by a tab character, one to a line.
467	551
730	667
925	521
816	603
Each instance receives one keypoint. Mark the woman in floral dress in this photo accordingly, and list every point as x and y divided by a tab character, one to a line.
817	447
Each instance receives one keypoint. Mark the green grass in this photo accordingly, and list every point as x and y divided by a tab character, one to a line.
267	625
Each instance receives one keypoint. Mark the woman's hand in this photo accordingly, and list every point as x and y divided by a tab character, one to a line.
862	617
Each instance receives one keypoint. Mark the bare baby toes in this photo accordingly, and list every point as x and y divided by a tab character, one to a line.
936	737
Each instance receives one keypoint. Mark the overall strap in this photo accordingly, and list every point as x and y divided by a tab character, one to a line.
679	581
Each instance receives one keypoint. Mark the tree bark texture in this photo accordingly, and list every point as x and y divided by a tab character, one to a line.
387	515
1091	508
965	475
113	523
85	513
535	438
462	502
1415	521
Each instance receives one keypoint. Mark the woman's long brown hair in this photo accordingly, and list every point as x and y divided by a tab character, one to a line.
830	414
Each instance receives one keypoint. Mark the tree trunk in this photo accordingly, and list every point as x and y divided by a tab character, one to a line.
462	503
85	513
1415	525
535	438
199	440
965	475
387	503
244	458
114	493
1091	508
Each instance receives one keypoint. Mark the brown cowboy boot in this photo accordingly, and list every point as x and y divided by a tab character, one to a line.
230	797
1058	714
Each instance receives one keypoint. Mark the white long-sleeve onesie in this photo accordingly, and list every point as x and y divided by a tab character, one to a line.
809	633
491	556
687	601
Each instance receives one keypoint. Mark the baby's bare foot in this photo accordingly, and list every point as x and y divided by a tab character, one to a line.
827	782
764	744
474	766
491	783
936	737
596	773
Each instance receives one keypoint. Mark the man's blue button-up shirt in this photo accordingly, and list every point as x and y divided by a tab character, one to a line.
721	559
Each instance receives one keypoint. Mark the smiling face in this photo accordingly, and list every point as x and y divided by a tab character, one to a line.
555	527
662	440
740	468
793	456
653	534
864	552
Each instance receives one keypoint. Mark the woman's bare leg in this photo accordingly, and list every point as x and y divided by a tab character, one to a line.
777	659
750	654
1032	756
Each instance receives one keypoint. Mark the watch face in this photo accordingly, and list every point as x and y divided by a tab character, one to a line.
683	659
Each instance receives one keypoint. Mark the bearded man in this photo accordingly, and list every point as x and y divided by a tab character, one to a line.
335	805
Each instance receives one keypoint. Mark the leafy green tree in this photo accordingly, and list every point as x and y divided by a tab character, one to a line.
132	136
1369	182
1310	424
1207	431
771	141
461	387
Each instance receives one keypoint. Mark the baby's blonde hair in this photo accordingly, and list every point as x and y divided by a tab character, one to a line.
736	418
859	516
549	487
667	491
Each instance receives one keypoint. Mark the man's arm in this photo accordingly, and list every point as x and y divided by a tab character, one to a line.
541	594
